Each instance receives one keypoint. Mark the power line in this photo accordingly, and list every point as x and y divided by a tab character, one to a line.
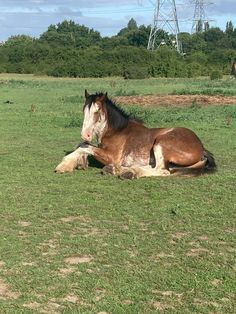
165	17
200	21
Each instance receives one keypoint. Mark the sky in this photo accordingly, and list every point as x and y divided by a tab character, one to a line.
32	17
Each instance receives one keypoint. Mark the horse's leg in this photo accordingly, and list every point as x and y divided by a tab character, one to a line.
160	170
103	155
76	159
107	157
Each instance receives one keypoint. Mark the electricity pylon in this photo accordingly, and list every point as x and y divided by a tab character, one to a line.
200	22
165	19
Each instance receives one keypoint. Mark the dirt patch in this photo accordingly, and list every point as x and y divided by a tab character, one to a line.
175	100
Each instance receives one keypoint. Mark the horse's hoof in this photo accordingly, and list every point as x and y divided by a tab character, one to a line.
128	175
64	167
108	170
164	173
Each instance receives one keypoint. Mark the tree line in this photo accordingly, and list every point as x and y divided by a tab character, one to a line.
74	50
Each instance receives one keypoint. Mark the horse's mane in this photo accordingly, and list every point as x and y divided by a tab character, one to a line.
118	119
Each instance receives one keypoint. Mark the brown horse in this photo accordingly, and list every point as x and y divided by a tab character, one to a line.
233	70
130	150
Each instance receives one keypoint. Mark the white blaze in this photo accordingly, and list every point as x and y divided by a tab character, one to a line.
90	126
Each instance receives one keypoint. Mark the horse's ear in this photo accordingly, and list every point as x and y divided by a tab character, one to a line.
86	93
104	97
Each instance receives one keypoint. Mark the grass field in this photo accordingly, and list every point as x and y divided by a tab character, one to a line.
87	243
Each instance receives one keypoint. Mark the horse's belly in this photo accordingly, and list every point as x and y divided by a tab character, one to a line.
133	159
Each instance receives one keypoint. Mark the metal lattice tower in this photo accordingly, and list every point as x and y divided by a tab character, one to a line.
200	22
165	18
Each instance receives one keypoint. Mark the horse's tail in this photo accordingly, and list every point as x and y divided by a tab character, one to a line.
206	165
210	165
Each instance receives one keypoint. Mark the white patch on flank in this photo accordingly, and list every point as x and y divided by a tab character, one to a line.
128	160
132	160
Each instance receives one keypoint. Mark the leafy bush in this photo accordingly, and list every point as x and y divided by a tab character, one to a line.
135	72
216	75
72	50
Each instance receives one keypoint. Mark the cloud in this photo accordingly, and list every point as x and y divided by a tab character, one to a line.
33	17
223	7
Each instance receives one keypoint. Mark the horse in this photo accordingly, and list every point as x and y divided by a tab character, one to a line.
233	70
128	149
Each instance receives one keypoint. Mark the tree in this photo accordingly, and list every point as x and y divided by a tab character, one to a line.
229	28
131	26
68	33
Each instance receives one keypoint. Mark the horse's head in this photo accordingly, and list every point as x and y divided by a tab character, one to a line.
95	121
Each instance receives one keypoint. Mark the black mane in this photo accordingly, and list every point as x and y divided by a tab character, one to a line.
117	118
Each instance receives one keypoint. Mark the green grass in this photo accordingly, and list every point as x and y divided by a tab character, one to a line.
154	245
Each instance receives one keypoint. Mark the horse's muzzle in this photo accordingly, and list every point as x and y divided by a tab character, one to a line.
86	136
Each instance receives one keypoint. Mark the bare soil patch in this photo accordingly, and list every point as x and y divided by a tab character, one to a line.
175	100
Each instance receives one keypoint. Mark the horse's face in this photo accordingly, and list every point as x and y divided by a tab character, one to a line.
95	121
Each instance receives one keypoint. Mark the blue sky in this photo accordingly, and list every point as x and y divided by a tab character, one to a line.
32	17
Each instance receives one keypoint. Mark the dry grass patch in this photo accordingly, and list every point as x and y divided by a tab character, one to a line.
198	251
74	260
2	264
75	299
49	247
51	307
100	294
66	271
216	282
161	306
29	264
6	292
208	303
69	219
164	255
180	235
24	223
32	305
